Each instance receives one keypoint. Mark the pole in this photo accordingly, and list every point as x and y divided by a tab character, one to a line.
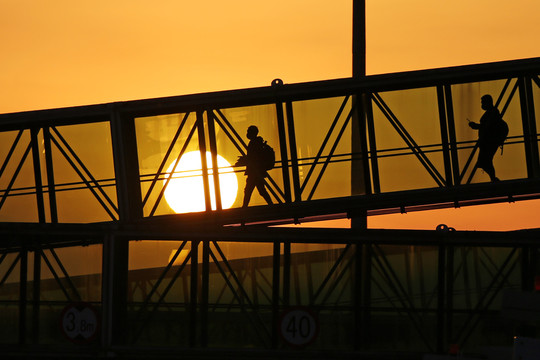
359	39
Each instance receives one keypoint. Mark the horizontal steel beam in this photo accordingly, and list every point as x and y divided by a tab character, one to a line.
170	229
269	94
239	224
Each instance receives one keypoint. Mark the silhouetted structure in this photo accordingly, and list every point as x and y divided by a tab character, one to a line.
198	283
255	171
489	138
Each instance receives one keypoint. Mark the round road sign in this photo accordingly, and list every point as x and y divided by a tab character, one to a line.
298	326
79	322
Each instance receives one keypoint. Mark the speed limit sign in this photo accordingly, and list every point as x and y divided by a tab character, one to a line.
298	326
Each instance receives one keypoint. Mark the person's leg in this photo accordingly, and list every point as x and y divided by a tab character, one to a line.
264	193
248	190
490	154
485	161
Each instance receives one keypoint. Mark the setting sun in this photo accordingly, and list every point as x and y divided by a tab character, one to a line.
185	190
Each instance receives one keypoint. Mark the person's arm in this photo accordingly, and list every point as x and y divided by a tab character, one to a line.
242	161
473	125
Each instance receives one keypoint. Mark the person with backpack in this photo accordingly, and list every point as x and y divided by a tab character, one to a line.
257	164
492	131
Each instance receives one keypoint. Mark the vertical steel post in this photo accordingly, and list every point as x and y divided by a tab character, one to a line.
449	291
36	288
36	294
368	108
360	172
360	184
126	167
194	286
441	313
204	164
37	174
529	126
275	293
213	151
53	218
286	273
294	154
527	135
359	38
366	296
535	156
205	292
114	290
116	249
283	152
360	177
362	285
452	133
50	175
444	136
359	330
23	285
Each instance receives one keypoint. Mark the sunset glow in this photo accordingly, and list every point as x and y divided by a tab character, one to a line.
185	190
61	53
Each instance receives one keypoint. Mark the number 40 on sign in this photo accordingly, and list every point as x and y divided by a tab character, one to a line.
298	326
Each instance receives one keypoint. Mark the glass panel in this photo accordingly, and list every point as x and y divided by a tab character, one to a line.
155	254
81	280
310	264
321	280
83	172
82	206
158	312
404	278
238	120
242	271
476	286
536	100
411	114
17	181
163	139
240	294
9	298
310	142
68	275
511	163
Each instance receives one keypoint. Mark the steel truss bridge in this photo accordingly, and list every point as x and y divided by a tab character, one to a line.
85	219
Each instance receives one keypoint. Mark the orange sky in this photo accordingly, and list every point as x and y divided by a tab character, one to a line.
58	53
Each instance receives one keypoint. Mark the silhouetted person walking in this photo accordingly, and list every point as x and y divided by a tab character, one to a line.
489	136
255	170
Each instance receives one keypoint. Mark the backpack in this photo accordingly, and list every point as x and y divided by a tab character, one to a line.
267	156
500	132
